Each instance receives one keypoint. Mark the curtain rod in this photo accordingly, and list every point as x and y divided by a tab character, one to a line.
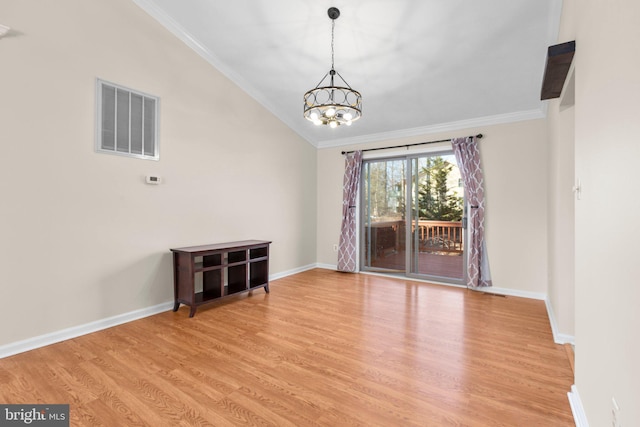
479	136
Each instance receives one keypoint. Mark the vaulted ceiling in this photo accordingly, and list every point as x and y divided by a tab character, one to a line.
421	65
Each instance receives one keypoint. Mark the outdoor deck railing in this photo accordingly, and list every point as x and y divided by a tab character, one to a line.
433	236
441	236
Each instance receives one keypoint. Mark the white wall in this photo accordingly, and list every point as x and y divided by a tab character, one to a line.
561	213
561	219
82	237
561	120
514	158
607	126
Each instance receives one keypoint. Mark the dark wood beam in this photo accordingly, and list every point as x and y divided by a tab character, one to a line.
559	59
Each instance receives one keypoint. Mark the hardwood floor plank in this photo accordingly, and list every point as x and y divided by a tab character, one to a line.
81	416
109	403
322	349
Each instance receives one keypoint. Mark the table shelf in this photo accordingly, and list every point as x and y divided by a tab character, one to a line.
226	269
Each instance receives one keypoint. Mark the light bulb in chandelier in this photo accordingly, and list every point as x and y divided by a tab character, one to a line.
332	102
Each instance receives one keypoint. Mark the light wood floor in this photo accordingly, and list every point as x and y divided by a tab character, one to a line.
322	349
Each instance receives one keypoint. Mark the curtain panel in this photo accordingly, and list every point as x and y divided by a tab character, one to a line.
468	157
347	255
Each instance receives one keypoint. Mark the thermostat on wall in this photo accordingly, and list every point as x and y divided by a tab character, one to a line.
153	179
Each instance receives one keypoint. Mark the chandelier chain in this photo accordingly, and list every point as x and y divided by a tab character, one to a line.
333	26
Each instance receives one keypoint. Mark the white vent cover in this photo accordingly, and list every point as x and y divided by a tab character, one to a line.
126	121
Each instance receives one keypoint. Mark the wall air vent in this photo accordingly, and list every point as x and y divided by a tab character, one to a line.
126	122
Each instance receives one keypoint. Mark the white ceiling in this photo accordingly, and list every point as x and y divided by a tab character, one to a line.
421	65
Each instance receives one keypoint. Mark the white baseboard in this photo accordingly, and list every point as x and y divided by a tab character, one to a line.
579	416
514	293
327	266
292	272
558	338
334	267
75	331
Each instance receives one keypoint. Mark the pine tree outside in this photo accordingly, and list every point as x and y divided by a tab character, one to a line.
439	190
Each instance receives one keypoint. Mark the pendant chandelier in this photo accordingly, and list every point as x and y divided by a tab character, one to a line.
334	104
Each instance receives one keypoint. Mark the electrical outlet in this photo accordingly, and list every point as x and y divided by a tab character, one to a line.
335	247
615	413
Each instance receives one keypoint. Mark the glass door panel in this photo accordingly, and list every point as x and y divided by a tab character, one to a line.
383	214
436	216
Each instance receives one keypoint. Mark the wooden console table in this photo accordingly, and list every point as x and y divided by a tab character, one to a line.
224	269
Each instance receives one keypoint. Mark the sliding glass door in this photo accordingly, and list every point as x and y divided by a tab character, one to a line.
412	217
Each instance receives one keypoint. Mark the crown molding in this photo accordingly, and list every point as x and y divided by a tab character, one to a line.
555	16
187	38
443	127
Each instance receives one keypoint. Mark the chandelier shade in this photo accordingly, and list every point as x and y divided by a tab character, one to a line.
332	102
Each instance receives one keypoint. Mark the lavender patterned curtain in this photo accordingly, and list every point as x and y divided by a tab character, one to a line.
347	248
468	158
